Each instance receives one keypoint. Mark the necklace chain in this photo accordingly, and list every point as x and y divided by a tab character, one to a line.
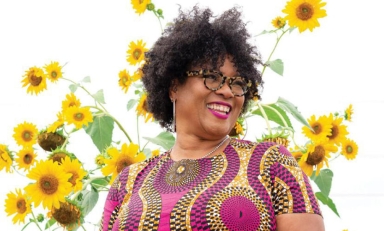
209	153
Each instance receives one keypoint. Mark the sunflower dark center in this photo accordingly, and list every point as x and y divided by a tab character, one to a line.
317	128
49	184
27	158
67	215
79	116
58	157
316	156
137	54
145	106
54	74
34	80
71	104
349	149
121	164
141	1
304	11
21	206
334	132
27	135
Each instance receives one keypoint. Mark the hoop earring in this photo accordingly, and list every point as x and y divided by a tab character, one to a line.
174	115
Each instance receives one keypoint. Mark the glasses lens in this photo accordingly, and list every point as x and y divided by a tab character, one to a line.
239	86
213	80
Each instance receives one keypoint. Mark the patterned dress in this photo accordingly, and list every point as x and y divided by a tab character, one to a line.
243	188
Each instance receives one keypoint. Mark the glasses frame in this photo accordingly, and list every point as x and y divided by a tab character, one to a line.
204	72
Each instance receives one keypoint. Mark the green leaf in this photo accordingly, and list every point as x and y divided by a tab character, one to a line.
100	130
276	66
49	223
272	116
292	109
323	180
131	103
164	139
89	200
327	201
73	87
99	183
99	96
86	79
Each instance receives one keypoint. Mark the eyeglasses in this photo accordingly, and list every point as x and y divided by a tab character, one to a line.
214	80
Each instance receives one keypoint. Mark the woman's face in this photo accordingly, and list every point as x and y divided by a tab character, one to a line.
203	112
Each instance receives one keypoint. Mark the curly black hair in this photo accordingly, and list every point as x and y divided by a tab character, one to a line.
197	38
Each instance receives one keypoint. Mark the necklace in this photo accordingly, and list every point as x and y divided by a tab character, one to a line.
213	150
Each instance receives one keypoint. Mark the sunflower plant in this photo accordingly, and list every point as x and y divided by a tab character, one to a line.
60	185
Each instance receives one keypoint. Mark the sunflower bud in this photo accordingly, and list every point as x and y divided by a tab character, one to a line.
150	6
40	217
159	12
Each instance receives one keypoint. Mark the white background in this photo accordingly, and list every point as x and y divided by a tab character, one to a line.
338	64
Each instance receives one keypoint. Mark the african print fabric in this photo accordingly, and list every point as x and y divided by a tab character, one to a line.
243	188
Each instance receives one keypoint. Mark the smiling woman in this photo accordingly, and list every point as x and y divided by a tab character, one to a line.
70	148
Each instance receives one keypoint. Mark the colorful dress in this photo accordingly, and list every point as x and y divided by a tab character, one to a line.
243	188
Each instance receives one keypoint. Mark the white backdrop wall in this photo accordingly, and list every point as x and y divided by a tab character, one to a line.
325	71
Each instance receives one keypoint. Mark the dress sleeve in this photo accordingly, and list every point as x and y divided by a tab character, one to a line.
113	201
291	190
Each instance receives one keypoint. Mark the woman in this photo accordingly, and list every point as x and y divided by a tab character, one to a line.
200	76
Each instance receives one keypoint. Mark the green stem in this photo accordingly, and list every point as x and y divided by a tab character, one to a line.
137	128
35	220
273	50
265	117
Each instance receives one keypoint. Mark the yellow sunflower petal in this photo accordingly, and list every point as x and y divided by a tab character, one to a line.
140	5
35	80
18	204
26	158
53	71
25	134
136	51
79	116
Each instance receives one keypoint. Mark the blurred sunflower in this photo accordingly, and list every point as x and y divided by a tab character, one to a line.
135	53
26	158
17	203
25	134
278	22
316	155
141	108
140	5
155	153
349	149
58	155
35	79
51	184
338	131
348	113
304	14
53	71
57	124
69	215
76	169
79	116
119	160
5	158
70	101
125	79
321	128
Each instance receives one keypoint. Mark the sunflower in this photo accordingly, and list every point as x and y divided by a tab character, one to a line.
316	155
70	101
17	203
141	108
321	128
75	168
26	158
125	79
5	158
79	116
348	113
100	160
58	155
53	71
25	134
140	5
304	13
57	124
278	22
338	131
51	184
349	149
119	160
35	79
136	52
69	215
